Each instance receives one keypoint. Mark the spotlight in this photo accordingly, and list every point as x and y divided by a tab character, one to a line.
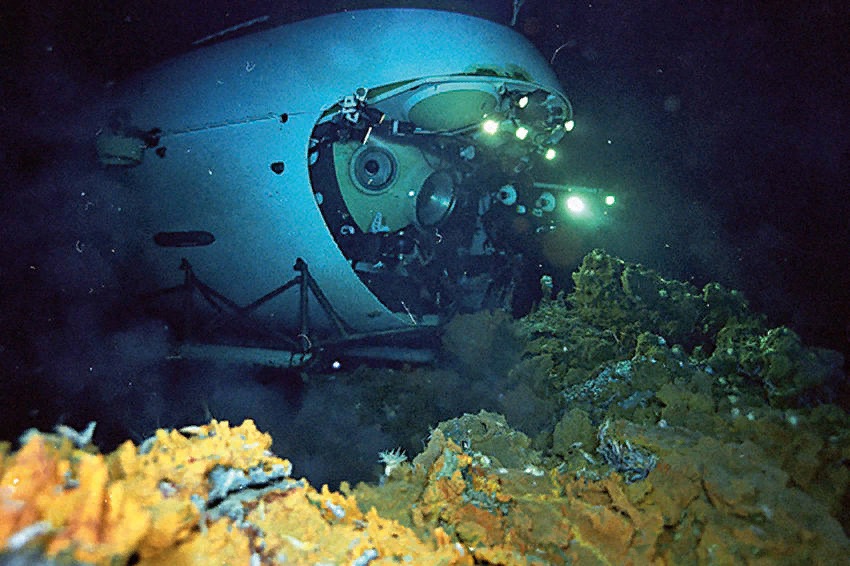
575	205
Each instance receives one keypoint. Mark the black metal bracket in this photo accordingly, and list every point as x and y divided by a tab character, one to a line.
229	313
227	316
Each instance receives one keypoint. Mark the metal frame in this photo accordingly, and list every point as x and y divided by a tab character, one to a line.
230	313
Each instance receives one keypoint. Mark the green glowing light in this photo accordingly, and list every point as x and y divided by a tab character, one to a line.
575	204
490	126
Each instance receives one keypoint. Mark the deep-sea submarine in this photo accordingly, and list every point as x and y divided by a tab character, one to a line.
339	184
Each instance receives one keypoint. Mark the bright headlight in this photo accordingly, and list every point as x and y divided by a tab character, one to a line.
575	204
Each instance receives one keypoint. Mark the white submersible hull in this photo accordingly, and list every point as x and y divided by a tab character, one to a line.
386	153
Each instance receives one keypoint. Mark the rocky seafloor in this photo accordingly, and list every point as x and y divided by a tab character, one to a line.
640	421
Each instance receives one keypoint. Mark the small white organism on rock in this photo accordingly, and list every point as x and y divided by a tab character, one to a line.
391	459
